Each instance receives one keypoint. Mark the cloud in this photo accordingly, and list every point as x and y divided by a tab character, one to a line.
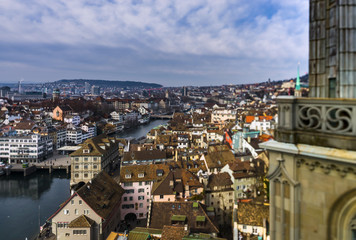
225	40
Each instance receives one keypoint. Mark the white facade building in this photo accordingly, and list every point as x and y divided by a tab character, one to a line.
30	148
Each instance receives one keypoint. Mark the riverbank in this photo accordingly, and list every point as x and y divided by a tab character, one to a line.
27	202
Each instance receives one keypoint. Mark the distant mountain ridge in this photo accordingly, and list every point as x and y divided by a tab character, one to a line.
110	83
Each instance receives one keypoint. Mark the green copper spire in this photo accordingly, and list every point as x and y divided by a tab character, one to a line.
297	84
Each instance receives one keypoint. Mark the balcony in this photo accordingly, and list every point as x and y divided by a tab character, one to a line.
317	121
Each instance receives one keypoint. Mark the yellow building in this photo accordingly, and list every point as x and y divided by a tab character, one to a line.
96	154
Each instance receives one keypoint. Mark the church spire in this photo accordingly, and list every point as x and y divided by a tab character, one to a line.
297	92
297	84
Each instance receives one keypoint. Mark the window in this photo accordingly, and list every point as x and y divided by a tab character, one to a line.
79	232
130	191
76	211
125	199
244	227
127	175
254	230
141	175
147	183
76	167
85	159
141	197
332	87
161	197
86	211
86	166
128	184
80	202
66	211
131	198
85	175
141	205
141	190
72	202
140	183
95	166
127	206
76	175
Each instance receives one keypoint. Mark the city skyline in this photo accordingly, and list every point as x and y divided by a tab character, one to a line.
165	42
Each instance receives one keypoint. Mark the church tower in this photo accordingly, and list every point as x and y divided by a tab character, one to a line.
312	169
332	49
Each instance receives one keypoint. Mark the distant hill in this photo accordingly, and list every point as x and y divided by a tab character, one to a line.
110	83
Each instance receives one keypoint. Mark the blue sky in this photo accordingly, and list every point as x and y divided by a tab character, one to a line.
174	43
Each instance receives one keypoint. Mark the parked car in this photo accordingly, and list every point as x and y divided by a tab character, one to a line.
2	164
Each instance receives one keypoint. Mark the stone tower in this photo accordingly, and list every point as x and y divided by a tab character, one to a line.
312	168
332	48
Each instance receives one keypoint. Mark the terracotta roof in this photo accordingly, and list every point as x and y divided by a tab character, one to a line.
249	119
102	194
93	144
220	179
149	171
218	157
25	125
162	212
81	222
170	185
144	155
252	214
173	232
244	175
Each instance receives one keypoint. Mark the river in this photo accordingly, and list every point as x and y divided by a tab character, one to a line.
27	202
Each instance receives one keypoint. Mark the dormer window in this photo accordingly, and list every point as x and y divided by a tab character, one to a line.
159	172
86	150
127	175
141	175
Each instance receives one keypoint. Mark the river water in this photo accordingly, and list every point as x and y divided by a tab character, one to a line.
27	202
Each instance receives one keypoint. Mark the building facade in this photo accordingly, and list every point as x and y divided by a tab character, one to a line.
31	148
96	154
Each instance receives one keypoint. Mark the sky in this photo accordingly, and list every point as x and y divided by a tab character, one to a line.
170	42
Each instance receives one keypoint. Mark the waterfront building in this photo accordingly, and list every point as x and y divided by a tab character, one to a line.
312	163
92	212
95	154
117	116
31	148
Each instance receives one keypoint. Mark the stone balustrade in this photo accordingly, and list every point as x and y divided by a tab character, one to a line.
317	121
